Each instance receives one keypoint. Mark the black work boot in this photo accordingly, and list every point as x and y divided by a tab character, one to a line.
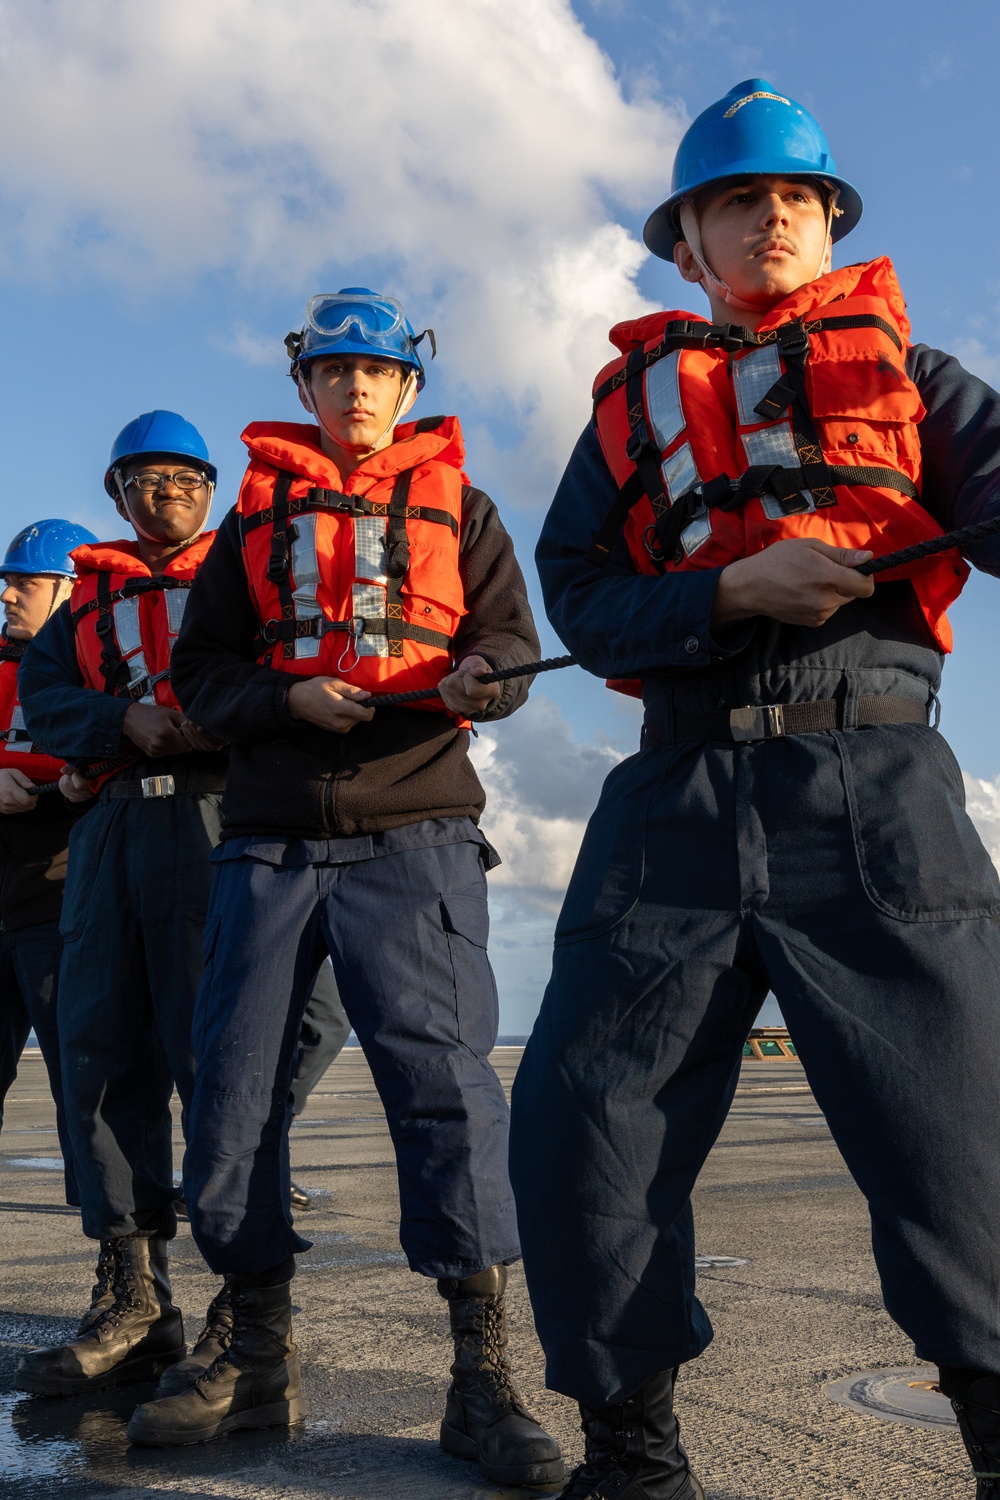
633	1449
484	1417
103	1294
255	1382
975	1395
133	1339
213	1340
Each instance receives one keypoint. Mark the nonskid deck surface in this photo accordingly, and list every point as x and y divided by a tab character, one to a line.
802	1311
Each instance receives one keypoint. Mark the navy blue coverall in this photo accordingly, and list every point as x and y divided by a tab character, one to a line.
837	868
133	913
365	845
133	917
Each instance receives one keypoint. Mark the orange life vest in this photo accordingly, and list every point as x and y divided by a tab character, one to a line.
126	618
356	578
724	441
17	753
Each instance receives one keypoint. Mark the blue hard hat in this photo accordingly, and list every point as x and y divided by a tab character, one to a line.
158	432
357	320
753	132
44	547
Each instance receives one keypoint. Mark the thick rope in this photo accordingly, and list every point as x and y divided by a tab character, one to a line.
394	700
963	538
104	768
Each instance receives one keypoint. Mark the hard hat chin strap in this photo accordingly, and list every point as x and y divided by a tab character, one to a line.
691	230
406	398
57	584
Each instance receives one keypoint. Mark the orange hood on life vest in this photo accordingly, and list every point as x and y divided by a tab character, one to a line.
295	447
873	278
123	557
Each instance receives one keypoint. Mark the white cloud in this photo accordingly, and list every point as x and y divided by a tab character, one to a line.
470	154
982	801
975	356
541	787
541	784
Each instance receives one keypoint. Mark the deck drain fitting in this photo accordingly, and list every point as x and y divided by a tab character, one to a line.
909	1396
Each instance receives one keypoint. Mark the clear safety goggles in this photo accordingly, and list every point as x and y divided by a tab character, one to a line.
378	319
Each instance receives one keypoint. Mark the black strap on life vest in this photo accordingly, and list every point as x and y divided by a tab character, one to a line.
641	448
397	560
127	590
296	630
280	560
335	502
787	394
113	668
692	333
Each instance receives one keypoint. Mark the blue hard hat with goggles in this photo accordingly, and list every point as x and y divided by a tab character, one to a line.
358	321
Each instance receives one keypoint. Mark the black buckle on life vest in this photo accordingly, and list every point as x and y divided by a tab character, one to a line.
793	340
732	337
280	559
638	441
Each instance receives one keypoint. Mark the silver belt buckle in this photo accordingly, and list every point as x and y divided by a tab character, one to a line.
157	786
763	722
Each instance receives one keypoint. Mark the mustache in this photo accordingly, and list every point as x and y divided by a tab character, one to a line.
773	242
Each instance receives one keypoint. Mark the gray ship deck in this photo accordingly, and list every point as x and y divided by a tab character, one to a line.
803	1311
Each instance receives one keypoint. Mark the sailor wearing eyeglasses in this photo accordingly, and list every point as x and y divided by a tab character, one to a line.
96	690
97	693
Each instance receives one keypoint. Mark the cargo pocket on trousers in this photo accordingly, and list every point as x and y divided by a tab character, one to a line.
920	857
465	917
607	877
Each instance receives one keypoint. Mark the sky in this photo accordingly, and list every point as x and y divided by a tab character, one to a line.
180	177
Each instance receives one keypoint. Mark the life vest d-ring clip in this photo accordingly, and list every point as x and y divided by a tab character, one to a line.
651	542
355	630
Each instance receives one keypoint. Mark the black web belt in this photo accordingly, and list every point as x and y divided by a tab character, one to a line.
773	721
189	782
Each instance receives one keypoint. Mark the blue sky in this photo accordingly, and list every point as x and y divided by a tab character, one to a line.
180	178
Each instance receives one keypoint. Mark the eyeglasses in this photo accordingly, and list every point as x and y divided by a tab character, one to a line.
150	481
